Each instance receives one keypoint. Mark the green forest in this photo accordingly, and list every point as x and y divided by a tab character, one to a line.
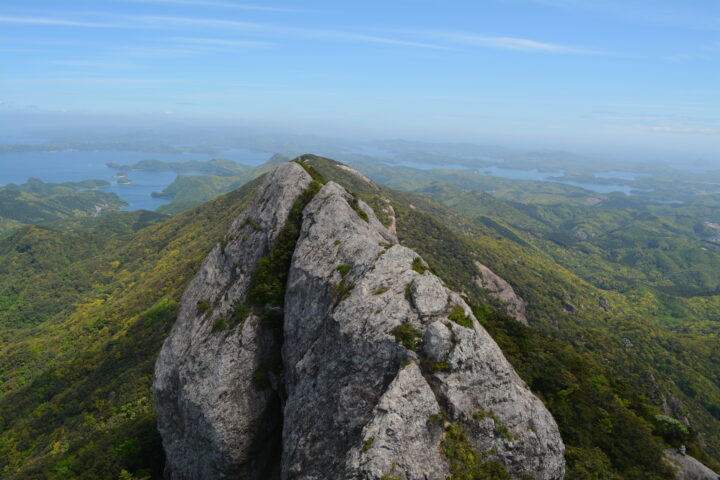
623	306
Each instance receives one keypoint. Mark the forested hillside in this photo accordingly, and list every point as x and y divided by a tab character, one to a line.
36	202
85	306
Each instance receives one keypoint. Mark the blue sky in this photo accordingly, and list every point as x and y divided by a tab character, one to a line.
553	73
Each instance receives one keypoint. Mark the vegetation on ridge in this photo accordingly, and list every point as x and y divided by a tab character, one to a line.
75	369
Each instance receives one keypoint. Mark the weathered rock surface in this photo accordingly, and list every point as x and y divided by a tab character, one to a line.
689	468
213	422
503	291
344	365
377	361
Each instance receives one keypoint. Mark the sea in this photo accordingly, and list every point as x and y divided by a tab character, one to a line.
71	166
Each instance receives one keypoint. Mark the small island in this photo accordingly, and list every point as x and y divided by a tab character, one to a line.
217	166
124	181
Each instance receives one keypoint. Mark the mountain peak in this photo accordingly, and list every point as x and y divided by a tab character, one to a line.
312	345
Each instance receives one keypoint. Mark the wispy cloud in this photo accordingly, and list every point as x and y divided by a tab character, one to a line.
94	64
404	38
220	42
508	43
676	129
210	3
375	39
660	123
54	21
167	21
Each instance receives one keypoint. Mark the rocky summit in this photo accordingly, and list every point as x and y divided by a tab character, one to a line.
311	345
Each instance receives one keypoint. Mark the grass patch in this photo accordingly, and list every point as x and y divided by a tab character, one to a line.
314	174
367	445
355	204
240	313
342	290
344	268
267	286
409	336
220	324
252	223
419	266
457	315
465	462
441	367
438	418
381	290
202	307
499	427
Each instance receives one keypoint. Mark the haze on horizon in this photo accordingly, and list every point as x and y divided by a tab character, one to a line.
611	76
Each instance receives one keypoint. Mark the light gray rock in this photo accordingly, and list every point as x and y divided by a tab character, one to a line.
398	441
213	422
429	296
689	468
503	291
437	341
355	398
342	360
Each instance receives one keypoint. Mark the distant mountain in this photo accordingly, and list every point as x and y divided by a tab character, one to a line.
217	166
188	191
36	202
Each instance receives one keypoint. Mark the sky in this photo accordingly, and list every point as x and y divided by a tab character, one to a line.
637	75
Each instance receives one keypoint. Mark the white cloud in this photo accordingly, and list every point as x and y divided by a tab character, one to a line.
420	39
55	21
94	64
509	43
220	42
678	129
664	123
209	3
165	21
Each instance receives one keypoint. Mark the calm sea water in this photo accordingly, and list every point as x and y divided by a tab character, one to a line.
75	166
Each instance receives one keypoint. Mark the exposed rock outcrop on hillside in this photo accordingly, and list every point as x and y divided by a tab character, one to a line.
385	372
689	468
503	291
213	422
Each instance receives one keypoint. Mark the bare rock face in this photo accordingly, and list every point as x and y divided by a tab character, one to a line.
381	363
356	373
213	422
503	291
689	468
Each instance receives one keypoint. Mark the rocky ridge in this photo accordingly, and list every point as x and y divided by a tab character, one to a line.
384	372
500	289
